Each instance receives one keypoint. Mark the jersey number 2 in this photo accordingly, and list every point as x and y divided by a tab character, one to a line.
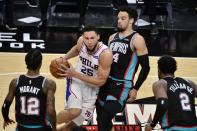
32	106
185	103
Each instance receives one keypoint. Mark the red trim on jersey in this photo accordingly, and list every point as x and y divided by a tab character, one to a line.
18	80
81	48
100	45
134	70
31	76
45	118
129	65
71	89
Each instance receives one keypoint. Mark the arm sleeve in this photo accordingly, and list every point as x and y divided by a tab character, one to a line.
5	110
162	105
144	62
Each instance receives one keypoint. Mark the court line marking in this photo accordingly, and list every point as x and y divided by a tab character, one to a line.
17	73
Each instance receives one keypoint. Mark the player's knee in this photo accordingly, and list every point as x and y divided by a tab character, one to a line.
74	112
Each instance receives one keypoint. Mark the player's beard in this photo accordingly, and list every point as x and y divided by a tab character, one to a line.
92	49
120	29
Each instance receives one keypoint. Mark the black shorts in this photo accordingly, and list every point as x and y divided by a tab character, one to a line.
21	128
115	90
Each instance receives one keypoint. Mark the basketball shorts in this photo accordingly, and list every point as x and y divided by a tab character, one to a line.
83	96
114	90
22	128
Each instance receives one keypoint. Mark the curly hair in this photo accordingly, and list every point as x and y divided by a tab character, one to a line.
33	59
167	64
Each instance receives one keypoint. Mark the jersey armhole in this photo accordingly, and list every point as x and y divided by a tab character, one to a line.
131	42
17	81
43	82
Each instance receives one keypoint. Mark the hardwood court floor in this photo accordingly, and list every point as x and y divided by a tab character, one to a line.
13	64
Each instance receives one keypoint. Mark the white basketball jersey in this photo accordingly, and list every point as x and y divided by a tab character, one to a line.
88	63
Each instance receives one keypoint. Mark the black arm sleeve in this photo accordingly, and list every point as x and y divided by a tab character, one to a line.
162	105
5	110
144	62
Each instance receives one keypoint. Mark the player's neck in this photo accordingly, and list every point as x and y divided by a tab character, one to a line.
33	72
126	32
168	75
95	49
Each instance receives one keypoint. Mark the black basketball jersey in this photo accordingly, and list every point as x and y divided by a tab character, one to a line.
30	104
125	61
181	106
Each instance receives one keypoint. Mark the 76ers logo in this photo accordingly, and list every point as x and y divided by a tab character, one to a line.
88	113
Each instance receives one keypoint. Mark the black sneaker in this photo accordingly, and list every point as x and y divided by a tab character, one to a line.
32	3
11	27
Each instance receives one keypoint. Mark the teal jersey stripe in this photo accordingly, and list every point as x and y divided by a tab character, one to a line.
181	129
30	126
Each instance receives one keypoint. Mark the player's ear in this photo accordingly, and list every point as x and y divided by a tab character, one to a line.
131	20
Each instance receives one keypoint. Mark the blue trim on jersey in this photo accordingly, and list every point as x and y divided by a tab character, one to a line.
44	82
115	79
111	98
32	76
30	126
130	72
101	102
181	129
126	90
164	120
68	89
16	129
47	119
17	80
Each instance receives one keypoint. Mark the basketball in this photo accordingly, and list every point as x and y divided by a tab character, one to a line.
56	63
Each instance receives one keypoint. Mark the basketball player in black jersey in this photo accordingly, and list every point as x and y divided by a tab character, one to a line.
34	98
175	99
129	50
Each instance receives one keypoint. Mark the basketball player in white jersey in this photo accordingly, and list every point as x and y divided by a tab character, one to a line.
83	83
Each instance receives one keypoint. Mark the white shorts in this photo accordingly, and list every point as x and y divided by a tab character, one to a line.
83	96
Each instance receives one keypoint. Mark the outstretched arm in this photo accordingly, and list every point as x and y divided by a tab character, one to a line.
8	101
51	86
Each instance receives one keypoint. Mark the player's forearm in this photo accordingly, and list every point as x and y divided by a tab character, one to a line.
52	118
94	80
144	62
5	109
71	53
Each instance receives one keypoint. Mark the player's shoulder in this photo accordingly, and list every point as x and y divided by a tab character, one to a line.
138	37
160	83
50	83
14	81
107	52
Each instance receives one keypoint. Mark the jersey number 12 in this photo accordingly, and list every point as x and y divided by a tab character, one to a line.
32	106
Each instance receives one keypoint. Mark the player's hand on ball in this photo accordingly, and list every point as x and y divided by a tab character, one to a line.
65	71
